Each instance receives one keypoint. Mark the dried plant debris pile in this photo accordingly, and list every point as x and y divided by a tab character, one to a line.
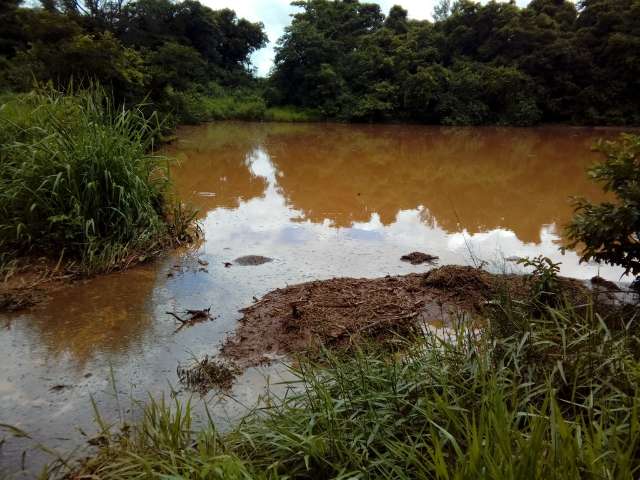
207	374
339	312
14	300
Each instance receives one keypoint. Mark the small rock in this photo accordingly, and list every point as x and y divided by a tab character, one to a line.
252	260
416	258
59	388
227	264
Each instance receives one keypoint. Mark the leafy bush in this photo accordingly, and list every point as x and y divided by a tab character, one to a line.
77	179
194	106
291	114
609	232
544	279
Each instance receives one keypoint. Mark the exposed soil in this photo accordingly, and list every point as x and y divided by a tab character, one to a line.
417	258
339	312
13	300
29	285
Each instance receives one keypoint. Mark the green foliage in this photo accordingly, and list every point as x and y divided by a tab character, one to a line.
554	396
202	105
544	279
291	114
143	51
609	232
492	63
78	180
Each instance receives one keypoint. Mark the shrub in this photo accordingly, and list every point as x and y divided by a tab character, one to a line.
609	232
291	114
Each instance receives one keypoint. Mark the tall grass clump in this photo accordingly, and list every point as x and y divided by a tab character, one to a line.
79	180
553	395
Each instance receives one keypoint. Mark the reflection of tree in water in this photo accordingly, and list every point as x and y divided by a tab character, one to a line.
473	178
478	179
214	159
211	171
105	315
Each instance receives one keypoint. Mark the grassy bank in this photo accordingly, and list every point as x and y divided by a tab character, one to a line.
543	392
79	182
215	103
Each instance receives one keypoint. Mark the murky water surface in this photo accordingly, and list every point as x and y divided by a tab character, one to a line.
322	201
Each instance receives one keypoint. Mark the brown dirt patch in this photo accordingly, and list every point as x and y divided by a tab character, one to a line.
600	282
341	311
13	300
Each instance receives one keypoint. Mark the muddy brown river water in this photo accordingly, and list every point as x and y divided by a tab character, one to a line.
322	201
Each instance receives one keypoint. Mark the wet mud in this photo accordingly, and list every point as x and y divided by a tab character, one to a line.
342	311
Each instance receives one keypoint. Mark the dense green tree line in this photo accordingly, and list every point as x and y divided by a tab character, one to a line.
475	64
156	49
493	63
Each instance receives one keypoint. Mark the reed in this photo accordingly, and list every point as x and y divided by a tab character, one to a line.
79	179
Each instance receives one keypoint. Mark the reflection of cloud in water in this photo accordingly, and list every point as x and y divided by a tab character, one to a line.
269	225
479	178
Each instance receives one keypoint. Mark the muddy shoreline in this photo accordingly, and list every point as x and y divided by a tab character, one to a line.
340	312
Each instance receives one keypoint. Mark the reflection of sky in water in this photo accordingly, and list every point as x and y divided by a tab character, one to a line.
267	223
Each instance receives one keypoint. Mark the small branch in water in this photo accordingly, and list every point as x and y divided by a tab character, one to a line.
195	316
176	317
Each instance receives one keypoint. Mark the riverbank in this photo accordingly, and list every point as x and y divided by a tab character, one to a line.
549	380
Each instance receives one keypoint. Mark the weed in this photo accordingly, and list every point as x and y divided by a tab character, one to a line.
79	180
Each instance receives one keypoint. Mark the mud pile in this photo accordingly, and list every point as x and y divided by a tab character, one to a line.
340	311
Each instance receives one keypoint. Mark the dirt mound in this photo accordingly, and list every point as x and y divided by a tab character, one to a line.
340	311
468	285
604	284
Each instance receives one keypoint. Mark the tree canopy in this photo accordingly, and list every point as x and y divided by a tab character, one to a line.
475	64
492	63
138	48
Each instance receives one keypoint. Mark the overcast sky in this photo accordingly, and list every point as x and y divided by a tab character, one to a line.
275	16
